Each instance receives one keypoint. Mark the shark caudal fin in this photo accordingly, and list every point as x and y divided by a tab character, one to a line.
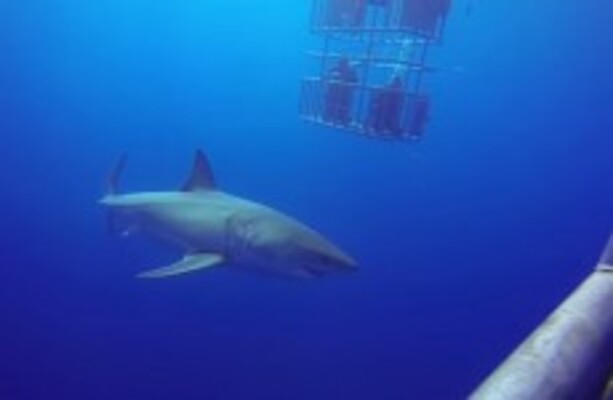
113	225
201	177
112	180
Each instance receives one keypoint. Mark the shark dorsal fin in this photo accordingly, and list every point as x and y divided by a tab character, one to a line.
201	177
607	255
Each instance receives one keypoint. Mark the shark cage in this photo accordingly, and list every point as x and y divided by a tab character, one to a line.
368	75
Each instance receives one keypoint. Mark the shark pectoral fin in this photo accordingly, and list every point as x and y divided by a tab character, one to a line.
189	263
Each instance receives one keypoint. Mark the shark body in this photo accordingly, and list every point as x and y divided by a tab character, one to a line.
215	228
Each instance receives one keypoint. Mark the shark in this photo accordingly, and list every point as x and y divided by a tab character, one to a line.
213	228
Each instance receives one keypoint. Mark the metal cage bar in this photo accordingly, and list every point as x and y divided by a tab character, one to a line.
378	16
370	70
405	123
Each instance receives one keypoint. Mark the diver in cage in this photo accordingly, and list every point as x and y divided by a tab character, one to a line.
339	90
419	117
345	13
385	111
424	15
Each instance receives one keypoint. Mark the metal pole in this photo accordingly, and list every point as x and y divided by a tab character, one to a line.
324	58
361	117
608	393
315	19
422	63
570	356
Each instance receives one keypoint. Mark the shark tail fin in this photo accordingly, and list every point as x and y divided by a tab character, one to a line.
112	188
112	180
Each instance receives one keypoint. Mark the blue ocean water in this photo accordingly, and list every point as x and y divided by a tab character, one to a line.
466	240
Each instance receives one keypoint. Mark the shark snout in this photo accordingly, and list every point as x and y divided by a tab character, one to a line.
330	258
344	262
111	200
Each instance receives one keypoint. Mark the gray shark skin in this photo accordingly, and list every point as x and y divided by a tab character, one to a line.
215	228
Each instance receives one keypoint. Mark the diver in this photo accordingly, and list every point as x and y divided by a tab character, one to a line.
339	89
386	107
345	13
424	15
420	117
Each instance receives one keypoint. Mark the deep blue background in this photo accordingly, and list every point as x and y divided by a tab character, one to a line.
467	240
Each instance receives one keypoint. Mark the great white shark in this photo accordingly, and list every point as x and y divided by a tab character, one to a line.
215	228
